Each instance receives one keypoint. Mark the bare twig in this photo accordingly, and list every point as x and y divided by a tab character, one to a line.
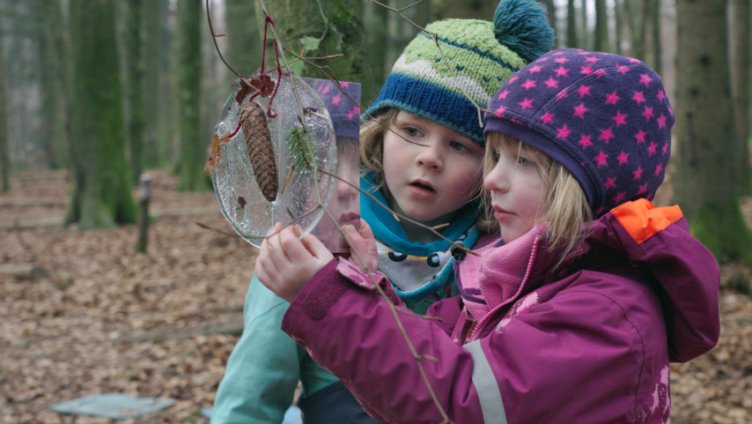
214	39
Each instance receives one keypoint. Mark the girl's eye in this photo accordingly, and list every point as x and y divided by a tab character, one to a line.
411	132
458	146
525	162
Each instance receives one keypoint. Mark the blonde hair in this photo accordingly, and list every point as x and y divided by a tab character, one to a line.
372	143
372	155
564	208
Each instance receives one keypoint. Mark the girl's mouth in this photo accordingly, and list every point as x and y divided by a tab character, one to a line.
350	218
422	185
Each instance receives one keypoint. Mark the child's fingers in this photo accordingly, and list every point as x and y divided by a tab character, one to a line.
365	230
314	246
293	247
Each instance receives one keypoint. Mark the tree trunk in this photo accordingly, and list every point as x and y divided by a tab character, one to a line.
243	41
583	30
48	133
551	12
634	12
322	28
135	72
705	185
655	22
618	26
101	194
400	32
740	74
4	153
60	62
462	9
572	40
601	42
188	71
375	22
156	100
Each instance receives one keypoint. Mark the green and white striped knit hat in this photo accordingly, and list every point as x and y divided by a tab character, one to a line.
440	79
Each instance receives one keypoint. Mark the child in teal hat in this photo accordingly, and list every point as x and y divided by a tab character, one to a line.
422	147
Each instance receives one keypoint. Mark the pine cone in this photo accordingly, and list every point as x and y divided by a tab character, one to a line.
258	140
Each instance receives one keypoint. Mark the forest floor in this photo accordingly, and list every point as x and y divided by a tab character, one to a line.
82	313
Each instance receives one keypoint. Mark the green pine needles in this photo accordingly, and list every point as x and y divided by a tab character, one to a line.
300	147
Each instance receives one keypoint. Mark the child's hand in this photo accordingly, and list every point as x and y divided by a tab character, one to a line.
363	250
287	262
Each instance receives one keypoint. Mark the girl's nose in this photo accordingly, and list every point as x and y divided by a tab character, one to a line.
430	156
496	180
345	192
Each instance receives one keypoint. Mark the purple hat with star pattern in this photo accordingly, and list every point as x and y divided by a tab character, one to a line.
343	104
604	117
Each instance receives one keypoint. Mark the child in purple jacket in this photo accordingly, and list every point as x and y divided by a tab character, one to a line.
574	314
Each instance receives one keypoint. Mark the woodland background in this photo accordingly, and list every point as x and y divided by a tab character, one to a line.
95	94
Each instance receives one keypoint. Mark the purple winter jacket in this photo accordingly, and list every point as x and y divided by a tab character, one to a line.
588	342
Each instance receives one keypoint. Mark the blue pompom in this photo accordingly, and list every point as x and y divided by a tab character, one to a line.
522	26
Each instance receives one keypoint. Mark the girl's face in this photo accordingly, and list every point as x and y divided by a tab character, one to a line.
516	186
429	169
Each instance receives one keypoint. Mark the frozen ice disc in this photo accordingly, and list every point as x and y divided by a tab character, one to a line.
299	169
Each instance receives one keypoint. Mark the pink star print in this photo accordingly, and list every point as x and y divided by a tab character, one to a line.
640	136
638	97
601	159
579	110
623	69
551	83
503	95
658	170
562	132
547	117
561	60
591	59
620	119
500	111
526	103
652	147
623	157
643	189
637	173
607	135
612	98
610	183
586	70
561	71
661	121
599	72
585	141
336	99
647	112
619	197
583	90
664	149
661	95
528	84
353	113
535	69
645	79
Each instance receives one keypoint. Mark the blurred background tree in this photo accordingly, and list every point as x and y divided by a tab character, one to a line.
101	194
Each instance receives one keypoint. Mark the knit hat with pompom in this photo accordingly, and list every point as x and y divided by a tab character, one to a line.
453	68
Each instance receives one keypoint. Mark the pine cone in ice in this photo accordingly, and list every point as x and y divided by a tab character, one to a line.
258	140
